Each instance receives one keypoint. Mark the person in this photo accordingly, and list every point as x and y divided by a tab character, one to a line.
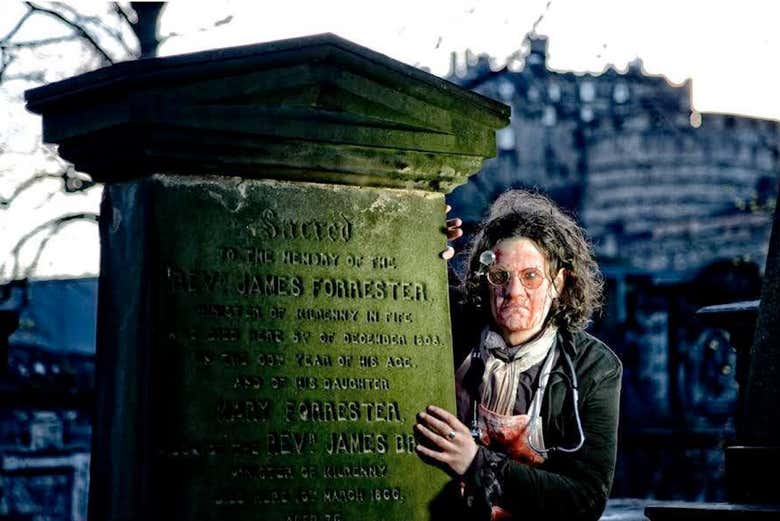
535	436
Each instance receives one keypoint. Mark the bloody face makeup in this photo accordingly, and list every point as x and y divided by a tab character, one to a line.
519	309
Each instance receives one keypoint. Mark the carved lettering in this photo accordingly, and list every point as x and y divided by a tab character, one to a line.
296	258
272	497
427	340
266	336
223	334
322	411
182	280
371	289
243	411
285	443
398	318
355	384
327	315
305	382
383	263
271	226
368	361
249	255
226	358
311	516
361	495
348	411
269	285
354	471
313	360
403	362
247	448
219	311
375	339
261	472
248	382
231	312
341	495
270	360
357	443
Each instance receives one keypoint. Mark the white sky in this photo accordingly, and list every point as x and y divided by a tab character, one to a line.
728	48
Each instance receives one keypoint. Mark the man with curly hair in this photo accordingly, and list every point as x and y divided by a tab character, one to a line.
535	436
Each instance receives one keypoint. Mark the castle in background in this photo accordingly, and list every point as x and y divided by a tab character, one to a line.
679	208
675	189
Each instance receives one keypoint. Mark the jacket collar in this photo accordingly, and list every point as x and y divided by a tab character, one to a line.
566	341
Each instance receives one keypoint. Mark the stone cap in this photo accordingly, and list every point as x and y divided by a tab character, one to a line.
318	108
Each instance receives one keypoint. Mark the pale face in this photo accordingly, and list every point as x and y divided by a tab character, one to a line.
519	312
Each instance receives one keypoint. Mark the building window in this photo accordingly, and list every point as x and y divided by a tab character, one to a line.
505	138
587	91
549	117
506	90
586	114
554	92
621	93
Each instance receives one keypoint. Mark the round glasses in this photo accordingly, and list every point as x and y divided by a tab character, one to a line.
530	278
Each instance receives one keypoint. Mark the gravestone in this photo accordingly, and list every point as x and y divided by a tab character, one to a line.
272	309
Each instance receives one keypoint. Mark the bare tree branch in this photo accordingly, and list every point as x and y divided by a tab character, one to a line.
223	21
146	26
541	17
72	183
35	77
78	17
53	226
17	26
37	43
77	28
27	183
122	14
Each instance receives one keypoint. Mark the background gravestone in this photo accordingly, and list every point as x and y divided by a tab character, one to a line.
756	454
272	308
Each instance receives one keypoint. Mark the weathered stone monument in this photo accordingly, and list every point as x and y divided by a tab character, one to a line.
272	310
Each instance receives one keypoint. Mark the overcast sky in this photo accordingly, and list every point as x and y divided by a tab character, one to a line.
729	48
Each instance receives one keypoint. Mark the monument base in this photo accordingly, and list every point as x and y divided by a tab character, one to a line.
747	468
712	512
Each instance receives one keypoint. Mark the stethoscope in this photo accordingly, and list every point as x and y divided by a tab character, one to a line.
540	390
486	259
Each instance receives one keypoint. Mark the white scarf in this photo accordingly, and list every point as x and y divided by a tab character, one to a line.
503	367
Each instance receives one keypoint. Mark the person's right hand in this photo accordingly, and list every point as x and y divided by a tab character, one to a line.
453	230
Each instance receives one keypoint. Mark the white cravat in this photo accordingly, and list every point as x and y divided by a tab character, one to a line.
504	365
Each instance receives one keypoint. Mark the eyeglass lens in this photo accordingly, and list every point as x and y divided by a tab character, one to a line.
530	278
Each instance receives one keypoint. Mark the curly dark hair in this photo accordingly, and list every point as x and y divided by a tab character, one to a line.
520	213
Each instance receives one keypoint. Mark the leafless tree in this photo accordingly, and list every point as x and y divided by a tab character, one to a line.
28	58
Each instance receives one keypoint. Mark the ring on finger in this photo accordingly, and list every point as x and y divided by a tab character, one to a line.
451	435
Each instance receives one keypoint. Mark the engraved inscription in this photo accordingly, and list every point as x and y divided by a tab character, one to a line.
271	226
243	411
369	289
300	333
348	411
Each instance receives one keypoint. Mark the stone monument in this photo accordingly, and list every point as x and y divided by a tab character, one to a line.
272	308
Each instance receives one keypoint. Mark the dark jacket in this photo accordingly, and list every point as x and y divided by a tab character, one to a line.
572	486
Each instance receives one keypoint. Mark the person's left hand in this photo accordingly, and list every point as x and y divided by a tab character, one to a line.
450	435
453	230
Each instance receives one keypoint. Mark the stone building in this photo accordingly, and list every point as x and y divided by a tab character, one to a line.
678	206
47	399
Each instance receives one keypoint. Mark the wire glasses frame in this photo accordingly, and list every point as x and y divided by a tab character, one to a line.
530	278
